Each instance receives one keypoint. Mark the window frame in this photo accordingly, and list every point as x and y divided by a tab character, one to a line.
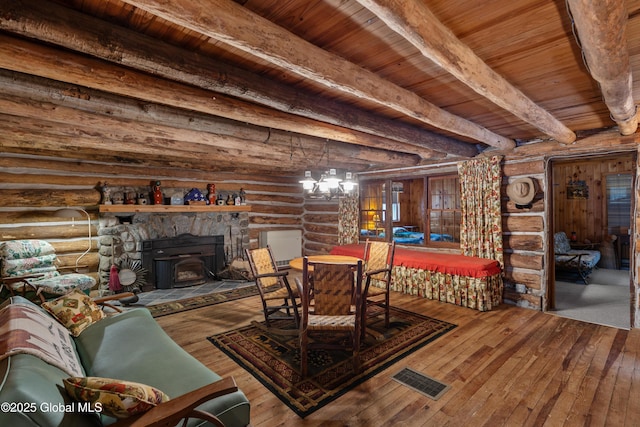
422	206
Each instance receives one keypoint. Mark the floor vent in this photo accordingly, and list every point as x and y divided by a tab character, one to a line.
421	383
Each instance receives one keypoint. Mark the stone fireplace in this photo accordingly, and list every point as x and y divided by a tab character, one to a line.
126	237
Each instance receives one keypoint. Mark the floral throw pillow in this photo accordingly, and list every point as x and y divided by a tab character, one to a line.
116	398
75	310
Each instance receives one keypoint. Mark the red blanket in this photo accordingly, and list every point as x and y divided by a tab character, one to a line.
459	265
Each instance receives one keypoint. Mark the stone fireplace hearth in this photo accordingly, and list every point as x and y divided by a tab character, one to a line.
120	242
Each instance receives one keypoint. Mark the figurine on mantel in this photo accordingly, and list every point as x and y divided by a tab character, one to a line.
243	197
211	194
106	194
194	197
130	198
118	198
158	198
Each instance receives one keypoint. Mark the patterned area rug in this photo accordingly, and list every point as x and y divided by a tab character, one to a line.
172	307
274	360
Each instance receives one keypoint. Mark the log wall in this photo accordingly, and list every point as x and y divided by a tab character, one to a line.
528	233
33	187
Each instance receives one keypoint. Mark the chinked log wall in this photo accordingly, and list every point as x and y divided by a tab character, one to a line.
32	188
527	233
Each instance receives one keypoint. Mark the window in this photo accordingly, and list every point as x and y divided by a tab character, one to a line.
417	211
372	210
444	213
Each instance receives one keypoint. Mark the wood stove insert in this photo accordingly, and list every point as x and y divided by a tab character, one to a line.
184	260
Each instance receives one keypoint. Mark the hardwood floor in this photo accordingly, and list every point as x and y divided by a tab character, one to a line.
511	367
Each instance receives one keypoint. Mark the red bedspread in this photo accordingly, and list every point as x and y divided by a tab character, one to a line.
459	265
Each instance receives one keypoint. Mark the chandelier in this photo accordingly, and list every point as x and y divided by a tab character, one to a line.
329	186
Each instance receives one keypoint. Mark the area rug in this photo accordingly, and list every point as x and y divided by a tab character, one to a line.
274	359
178	306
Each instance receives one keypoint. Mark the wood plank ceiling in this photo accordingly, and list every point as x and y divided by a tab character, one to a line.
288	85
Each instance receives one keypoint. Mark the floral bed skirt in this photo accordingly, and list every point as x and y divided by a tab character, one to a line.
482	293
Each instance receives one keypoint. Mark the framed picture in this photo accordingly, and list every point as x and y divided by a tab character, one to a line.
577	190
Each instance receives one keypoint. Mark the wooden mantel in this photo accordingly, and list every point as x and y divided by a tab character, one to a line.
173	208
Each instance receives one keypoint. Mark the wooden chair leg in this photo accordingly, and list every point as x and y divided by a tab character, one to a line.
303	355
386	310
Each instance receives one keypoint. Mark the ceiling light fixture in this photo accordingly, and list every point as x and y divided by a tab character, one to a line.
329	186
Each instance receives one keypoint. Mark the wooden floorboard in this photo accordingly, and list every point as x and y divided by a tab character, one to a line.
511	366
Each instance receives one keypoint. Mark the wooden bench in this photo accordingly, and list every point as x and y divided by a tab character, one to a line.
456	279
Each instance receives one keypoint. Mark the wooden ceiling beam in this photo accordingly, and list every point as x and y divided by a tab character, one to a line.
601	26
418	25
131	125
26	57
226	21
55	24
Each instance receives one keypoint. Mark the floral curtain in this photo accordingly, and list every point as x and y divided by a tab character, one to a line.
481	228
348	211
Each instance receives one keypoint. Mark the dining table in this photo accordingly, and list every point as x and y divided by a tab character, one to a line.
297	263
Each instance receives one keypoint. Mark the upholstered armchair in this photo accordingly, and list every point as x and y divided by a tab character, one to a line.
31	268
577	261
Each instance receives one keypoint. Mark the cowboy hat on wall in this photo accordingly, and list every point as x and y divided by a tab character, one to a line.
521	192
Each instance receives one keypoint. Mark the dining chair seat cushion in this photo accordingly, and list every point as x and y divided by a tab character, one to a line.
338	323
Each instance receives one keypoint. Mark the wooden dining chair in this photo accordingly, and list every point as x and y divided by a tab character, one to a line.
273	286
378	258
336	292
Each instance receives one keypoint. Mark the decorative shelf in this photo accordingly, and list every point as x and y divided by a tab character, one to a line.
173	208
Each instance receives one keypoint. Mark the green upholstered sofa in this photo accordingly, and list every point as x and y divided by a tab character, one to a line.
126	346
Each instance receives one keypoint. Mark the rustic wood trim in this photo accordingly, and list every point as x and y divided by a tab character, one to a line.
53	23
418	25
226	21
602	30
45	62
27	98
172	208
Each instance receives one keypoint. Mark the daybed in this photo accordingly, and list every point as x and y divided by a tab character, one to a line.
128	346
466	281
403	236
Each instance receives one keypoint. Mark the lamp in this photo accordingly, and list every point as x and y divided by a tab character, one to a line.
74	213
329	185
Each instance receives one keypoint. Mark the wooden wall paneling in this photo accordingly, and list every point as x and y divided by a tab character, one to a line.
320	224
523	223
33	187
46	232
524	235
524	242
635	245
523	168
531	280
585	216
43	197
530	261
